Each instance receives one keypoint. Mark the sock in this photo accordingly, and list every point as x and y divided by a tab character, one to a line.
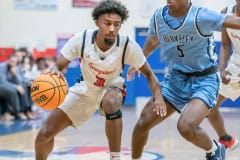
114	155
213	149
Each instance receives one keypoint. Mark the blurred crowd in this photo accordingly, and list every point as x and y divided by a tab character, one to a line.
16	76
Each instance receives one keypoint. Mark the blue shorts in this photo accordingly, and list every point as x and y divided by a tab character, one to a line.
178	89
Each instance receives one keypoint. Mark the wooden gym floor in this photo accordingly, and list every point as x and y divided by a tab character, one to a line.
89	141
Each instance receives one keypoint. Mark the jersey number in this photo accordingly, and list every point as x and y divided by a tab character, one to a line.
180	50
99	82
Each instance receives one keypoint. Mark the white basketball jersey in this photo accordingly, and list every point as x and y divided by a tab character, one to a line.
234	36
100	69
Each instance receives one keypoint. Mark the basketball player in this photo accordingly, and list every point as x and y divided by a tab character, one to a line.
184	34
103	53
230	74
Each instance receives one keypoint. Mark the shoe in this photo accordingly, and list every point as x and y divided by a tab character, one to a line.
7	117
31	116
22	116
229	142
219	154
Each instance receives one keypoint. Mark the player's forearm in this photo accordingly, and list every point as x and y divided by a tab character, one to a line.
224	57
150	45
61	63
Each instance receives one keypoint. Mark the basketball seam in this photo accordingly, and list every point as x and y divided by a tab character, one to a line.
62	87
59	96
47	90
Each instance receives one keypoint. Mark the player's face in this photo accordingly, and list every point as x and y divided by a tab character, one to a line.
177	4
109	25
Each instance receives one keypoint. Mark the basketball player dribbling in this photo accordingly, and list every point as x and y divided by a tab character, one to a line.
103	53
230	74
184	33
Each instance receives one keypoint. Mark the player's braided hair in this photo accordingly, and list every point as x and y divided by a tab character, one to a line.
110	6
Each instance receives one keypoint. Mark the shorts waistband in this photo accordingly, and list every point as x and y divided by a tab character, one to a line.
208	71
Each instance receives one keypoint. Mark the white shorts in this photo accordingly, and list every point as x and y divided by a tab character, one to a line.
232	89
81	102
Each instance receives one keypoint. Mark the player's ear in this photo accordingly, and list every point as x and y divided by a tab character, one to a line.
97	22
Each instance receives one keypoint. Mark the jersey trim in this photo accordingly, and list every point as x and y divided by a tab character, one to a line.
124	51
198	30
83	43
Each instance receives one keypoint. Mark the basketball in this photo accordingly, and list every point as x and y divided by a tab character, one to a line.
48	91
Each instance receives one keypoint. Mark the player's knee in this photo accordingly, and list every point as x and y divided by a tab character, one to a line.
44	135
111	106
142	126
186	129
112	110
114	115
112	100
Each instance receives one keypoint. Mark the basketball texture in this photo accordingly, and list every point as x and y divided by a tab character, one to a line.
48	91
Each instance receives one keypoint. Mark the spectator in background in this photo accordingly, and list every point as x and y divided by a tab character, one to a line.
9	82
32	69
51	61
9	102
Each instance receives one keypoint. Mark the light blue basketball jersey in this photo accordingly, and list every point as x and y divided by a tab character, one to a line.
186	43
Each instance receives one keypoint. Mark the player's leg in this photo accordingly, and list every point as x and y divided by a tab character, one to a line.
111	106
189	121
147	120
204	94
217	121
56	122
75	110
188	126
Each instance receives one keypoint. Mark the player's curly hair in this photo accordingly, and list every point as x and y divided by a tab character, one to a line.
110	6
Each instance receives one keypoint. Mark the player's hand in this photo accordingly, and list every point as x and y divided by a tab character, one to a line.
54	71
225	75
131	73
160	107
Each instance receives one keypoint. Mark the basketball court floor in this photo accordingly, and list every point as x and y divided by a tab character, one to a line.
89	141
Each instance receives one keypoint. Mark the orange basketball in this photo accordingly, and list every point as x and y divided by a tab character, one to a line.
48	91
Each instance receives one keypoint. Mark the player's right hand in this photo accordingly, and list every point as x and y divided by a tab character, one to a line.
54	71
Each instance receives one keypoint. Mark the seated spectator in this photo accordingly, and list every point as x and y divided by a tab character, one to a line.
27	75
9	102
11	76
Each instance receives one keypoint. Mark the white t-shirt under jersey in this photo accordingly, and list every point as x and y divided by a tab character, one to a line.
102	72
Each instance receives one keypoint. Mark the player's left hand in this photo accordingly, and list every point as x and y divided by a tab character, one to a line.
131	73
160	107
